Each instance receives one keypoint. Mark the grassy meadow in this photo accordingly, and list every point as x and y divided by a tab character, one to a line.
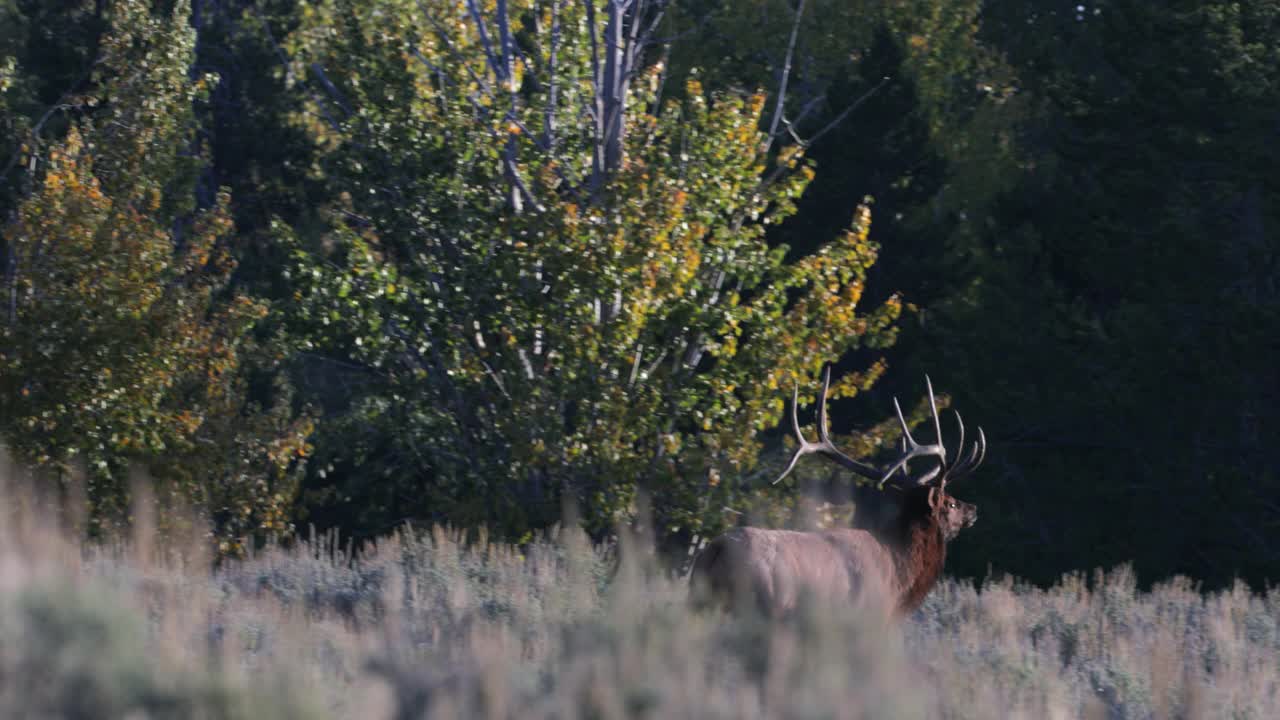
429	624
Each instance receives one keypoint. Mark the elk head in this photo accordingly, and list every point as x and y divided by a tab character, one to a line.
950	514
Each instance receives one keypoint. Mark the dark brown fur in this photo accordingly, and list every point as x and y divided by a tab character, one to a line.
891	567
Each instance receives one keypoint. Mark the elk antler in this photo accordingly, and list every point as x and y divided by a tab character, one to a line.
824	446
970	463
911	449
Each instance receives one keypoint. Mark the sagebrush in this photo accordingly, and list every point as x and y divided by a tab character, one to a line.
440	624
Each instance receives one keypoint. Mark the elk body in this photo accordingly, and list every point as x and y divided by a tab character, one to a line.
890	564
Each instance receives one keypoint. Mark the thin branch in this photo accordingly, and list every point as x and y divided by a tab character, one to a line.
670	39
33	133
541	143
443	34
549	118
781	102
597	98
519	191
284	62
496	380
485	43
657	361
662	82
595	41
524	360
633	41
781	170
504	41
521	188
847	111
63	104
635	365
790	125
330	87
646	38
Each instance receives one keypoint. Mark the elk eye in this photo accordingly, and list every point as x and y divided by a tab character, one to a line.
951	505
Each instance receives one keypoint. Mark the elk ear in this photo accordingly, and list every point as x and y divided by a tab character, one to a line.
935	496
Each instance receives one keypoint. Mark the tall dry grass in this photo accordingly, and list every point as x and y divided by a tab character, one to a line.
425	624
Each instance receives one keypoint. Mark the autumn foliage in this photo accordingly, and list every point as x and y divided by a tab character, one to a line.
123	344
515	319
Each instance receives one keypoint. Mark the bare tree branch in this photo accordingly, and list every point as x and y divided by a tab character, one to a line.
835	122
549	117
443	34
330	88
613	89
781	101
781	170
595	41
790	125
483	32
505	76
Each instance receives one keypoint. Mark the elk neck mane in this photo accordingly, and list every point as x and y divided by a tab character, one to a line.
919	553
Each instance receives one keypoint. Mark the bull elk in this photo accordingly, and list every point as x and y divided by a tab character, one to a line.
891	564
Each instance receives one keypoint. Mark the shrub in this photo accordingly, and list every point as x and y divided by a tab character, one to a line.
70	653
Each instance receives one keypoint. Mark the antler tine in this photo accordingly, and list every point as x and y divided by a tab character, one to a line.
979	452
824	446
823	437
913	449
906	431
802	445
974	458
795	458
956	470
982	454
906	467
937	423
795	414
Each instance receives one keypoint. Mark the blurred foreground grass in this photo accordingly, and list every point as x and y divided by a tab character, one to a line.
426	625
